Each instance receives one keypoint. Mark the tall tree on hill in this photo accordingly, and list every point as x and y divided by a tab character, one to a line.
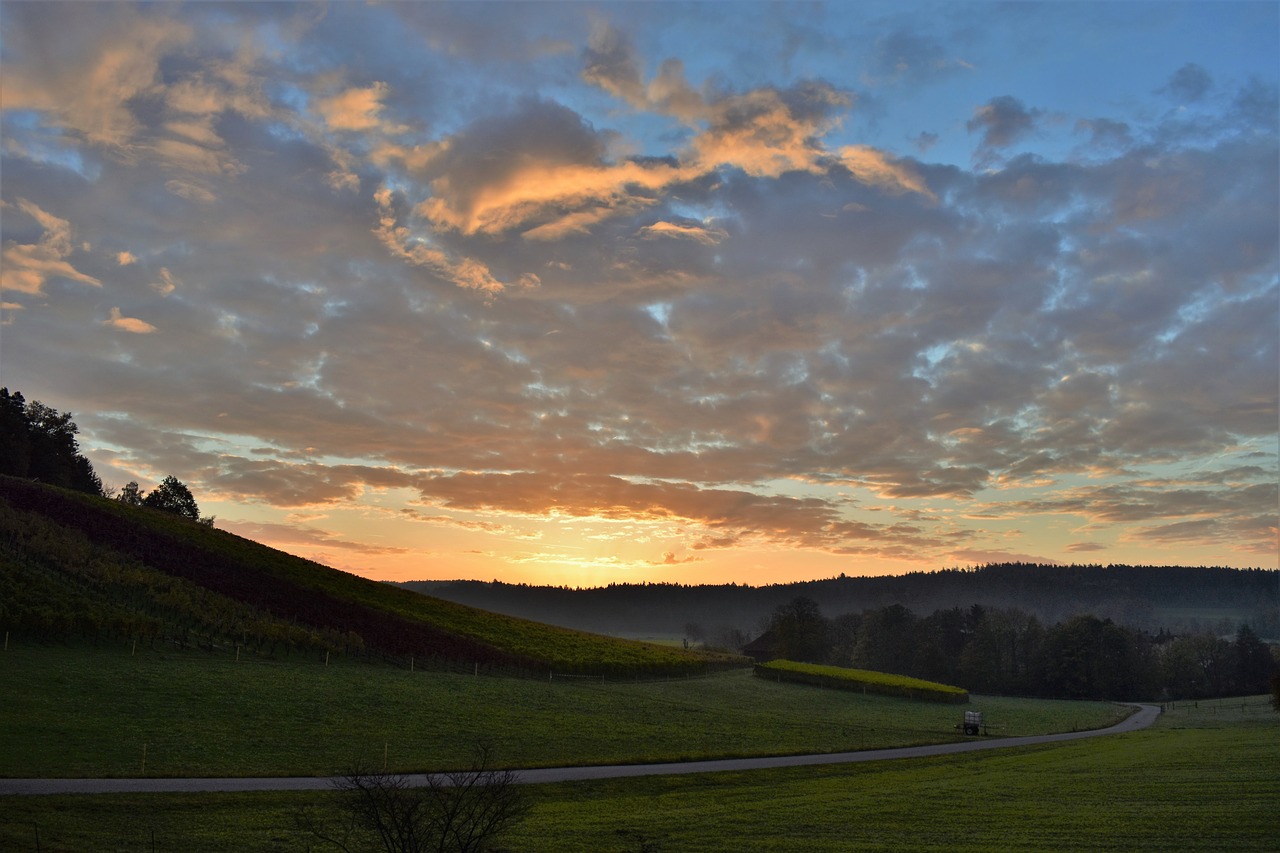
39	443
173	496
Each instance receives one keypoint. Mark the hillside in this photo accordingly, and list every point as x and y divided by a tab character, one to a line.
75	566
1148	598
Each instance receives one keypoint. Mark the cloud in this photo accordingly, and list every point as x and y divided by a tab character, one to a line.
684	231
357	109
540	167
669	558
974	556
291	536
132	325
466	273
1106	133
873	168
29	266
542	171
1003	121
924	141
1189	83
110	59
645	286
723	514
908	56
1085	547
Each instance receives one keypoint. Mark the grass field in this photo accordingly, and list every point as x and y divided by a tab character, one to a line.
75	711
1205	777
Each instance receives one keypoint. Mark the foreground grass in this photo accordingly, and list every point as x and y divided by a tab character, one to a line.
74	712
1206	777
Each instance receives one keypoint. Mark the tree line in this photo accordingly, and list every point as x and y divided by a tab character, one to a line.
1007	651
1181	599
37	442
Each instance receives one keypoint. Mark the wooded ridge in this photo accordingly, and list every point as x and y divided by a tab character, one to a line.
1175	599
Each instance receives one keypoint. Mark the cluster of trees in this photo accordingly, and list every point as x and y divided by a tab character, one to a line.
38	442
1007	651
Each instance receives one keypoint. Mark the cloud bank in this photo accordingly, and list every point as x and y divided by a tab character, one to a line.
346	270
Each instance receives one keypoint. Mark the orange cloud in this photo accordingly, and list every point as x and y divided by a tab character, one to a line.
354	109
706	236
90	92
872	167
544	174
27	266
467	273
532	191
132	325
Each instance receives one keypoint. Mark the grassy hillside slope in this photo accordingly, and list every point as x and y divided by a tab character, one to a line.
73	565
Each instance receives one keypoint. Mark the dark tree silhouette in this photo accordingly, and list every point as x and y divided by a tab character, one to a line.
39	443
1254	664
800	631
130	495
174	497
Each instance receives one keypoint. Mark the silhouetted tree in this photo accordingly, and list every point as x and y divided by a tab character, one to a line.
939	638
174	497
886	641
1254	664
39	443
1091	658
1000	649
130	495
800	631
842	635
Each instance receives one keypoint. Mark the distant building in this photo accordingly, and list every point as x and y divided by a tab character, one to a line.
763	648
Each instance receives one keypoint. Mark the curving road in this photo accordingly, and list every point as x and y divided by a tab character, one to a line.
1145	716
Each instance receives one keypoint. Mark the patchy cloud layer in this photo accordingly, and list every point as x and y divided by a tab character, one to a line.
561	294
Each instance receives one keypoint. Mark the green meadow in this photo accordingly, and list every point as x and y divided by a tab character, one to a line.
78	711
1205	777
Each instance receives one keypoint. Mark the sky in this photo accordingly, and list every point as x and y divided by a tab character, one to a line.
583	293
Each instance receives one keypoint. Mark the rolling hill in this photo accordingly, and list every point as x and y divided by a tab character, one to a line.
1179	599
75	566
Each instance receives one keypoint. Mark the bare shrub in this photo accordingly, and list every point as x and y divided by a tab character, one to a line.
458	812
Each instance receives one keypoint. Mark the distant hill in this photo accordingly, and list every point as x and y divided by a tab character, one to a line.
1150	598
79	567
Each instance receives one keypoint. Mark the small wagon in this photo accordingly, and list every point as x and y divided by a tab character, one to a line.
972	722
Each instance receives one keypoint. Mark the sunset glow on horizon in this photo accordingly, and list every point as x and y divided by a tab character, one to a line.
573	294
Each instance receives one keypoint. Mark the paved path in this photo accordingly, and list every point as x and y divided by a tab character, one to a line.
1145	716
